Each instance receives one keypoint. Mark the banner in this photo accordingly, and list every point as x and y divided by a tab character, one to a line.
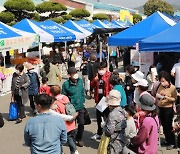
145	59
126	16
19	42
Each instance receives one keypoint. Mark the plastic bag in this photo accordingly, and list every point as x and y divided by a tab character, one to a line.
103	145
13	111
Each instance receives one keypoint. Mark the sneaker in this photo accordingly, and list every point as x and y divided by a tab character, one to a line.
80	143
76	152
170	147
96	137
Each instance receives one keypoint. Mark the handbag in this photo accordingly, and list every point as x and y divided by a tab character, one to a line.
103	145
13	111
132	148
87	120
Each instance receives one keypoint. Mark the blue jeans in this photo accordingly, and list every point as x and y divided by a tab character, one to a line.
130	98
71	141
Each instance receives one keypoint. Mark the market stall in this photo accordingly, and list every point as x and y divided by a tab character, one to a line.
11	39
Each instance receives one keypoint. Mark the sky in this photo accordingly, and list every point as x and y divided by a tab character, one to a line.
131	3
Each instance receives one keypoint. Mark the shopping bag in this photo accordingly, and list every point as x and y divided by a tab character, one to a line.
87	120
103	145
13	111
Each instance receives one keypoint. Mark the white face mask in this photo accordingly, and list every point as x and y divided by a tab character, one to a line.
101	72
54	106
75	76
17	71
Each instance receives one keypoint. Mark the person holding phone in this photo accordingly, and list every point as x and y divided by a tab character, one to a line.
166	97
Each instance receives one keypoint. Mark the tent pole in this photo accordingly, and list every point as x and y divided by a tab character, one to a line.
40	50
108	57
100	51
65	47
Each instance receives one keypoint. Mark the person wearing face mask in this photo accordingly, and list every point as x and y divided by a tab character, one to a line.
73	88
71	59
33	88
166	96
61	101
19	90
102	86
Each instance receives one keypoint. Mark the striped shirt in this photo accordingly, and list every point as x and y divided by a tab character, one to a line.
17	85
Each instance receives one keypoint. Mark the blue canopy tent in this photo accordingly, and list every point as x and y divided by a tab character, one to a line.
152	25
46	31
166	41
100	24
122	24
86	25
12	38
74	26
110	24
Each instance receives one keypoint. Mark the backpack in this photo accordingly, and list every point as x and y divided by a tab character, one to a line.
70	110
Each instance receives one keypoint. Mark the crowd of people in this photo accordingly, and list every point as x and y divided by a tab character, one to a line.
137	105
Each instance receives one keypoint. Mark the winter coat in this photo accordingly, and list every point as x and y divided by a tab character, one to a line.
107	86
24	84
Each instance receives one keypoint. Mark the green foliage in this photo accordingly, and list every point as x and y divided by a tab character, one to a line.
49	6
58	20
136	18
11	23
36	16
100	16
6	17
67	17
79	13
157	5
19	5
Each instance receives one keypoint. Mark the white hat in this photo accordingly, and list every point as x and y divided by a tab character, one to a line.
114	98
138	76
142	82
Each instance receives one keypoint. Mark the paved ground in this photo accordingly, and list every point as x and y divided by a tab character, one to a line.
11	134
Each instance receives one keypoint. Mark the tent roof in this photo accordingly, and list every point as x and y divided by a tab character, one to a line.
74	26
14	38
86	25
110	24
168	40
152	25
100	24
48	31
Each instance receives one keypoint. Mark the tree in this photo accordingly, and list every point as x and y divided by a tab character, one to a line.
157	5
67	17
51	7
6	17
79	13
20	8
59	20
100	16
136	18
